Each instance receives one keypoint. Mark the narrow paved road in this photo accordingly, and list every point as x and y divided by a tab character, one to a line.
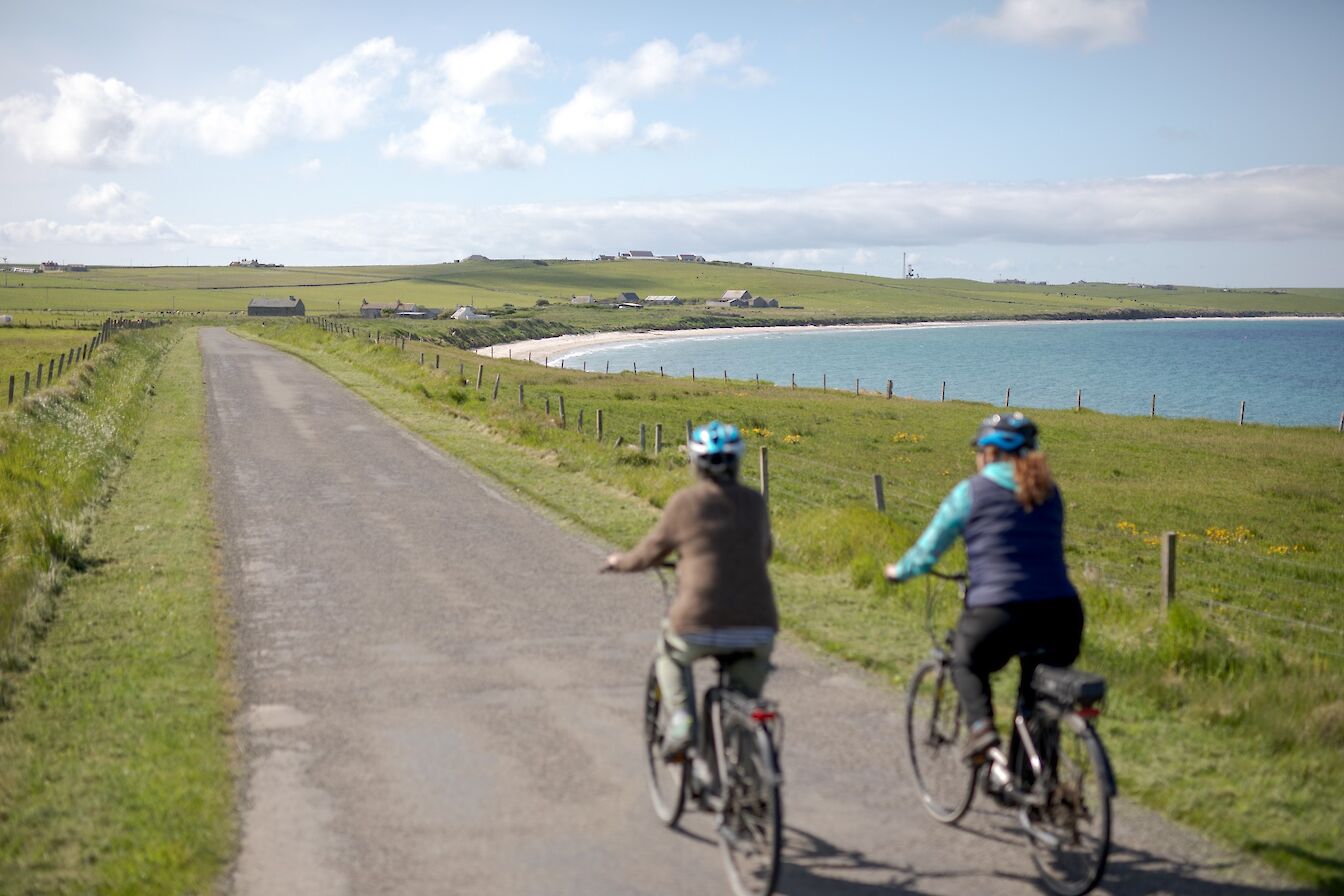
441	696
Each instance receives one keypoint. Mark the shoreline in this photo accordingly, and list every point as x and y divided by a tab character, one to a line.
562	347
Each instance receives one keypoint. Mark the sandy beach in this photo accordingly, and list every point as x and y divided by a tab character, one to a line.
556	347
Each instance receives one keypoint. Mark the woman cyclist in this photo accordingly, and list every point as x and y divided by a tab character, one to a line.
724	603
1019	598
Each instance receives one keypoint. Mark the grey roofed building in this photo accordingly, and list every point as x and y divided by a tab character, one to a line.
733	295
262	307
661	300
580	300
637	253
686	256
627	297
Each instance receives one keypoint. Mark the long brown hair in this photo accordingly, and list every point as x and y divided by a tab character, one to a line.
1031	476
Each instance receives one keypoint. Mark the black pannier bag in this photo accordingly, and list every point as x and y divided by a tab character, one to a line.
1070	687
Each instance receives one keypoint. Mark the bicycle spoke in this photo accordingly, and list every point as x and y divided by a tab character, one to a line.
933	730
1077	813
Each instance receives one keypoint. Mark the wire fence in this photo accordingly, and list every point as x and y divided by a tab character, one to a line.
54	368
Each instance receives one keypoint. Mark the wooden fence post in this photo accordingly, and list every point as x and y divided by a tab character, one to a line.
692	374
642	443
60	371
548	361
562	363
636	366
51	366
580	419
495	396
942	396
562	412
39	376
1008	394
25	384
608	366
548	405
688	432
520	395
436	361
480	374
879	498
1152	408
1168	569
422	359
765	475
889	384
793	381
1241	417
1080	400
660	371
856	385
725	376
1341	422
462	368
600	423
11	388
658	438
823	382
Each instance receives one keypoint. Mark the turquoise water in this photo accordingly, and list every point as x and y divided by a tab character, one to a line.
1289	372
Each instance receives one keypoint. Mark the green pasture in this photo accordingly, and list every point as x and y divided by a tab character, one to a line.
1226	711
821	296
23	349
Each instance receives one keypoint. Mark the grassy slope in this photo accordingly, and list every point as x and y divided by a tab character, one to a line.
1213	709
114	766
492	284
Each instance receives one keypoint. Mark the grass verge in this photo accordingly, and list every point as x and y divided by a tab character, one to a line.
1226	712
115	769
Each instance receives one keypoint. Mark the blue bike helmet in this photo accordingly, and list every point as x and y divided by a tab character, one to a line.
716	448
1010	433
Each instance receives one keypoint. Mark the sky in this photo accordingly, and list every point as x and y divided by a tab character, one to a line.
1194	142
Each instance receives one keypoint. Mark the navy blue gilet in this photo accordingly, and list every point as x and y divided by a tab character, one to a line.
1014	555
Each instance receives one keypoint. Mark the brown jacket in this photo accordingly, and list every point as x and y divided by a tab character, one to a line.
721	534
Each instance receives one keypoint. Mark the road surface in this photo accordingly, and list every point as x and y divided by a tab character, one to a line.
439	694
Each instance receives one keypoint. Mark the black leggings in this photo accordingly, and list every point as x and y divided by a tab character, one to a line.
988	637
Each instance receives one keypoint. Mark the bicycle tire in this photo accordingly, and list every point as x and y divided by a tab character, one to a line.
751	826
1078	813
933	729
667	780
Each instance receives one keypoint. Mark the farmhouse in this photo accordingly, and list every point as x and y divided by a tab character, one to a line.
580	300
733	296
700	259
261	307
662	300
468	312
628	297
638	255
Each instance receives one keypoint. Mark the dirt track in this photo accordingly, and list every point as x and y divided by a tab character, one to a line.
441	696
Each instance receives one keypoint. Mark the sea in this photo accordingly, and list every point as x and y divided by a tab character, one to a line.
1289	372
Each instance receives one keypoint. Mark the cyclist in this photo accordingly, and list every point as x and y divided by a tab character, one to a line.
724	605
1019	598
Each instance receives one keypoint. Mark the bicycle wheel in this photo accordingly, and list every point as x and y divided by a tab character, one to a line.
667	780
1077	815
751	824
933	726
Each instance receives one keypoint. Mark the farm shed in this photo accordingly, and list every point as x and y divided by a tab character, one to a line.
580	300
468	312
290	307
662	300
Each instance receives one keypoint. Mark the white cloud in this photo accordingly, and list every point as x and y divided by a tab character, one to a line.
833	227
600	114
94	233
96	122
661	134
1089	24
109	200
458	132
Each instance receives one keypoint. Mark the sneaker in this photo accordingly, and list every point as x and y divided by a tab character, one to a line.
677	737
979	741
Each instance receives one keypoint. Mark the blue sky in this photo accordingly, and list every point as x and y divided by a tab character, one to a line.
1190	142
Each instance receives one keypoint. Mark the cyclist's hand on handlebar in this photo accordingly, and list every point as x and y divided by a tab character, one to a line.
609	565
889	571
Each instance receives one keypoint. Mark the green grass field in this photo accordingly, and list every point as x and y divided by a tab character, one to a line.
1225	712
23	349
491	285
115	752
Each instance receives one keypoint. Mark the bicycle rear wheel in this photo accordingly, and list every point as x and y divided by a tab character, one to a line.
933	728
750	828
1078	814
667	780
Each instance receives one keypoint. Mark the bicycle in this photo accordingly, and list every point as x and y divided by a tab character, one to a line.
1056	774
734	772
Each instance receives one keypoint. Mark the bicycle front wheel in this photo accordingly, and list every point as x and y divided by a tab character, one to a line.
751	825
933	728
667	780
1077	816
